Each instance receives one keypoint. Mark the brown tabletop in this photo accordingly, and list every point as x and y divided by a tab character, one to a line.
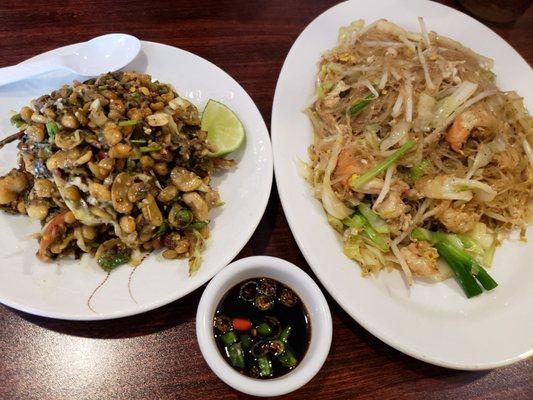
155	355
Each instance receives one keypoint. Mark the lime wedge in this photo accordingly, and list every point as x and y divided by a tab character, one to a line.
224	130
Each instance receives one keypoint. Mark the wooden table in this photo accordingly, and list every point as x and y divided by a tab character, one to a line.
155	355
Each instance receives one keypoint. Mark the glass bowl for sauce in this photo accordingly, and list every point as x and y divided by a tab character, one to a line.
318	323
262	328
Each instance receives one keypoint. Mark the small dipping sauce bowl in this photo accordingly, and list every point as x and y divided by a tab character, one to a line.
311	297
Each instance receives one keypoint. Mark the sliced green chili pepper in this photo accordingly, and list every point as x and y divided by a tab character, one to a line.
236	355
248	291
277	347
263	302
284	335
229	338
267	287
260	348
264	329
223	323
265	366
288	298
288	359
246	341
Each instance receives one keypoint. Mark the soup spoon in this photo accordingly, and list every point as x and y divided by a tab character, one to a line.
101	54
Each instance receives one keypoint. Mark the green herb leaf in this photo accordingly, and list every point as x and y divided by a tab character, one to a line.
361	104
417	171
162	229
199	224
130	165
17	120
52	129
128	122
138	141
148	149
357	181
110	260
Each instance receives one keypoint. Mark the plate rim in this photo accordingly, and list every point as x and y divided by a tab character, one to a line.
307	254
260	209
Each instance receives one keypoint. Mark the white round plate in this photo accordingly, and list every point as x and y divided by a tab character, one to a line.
61	290
432	322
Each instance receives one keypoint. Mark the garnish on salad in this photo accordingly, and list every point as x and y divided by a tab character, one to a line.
115	166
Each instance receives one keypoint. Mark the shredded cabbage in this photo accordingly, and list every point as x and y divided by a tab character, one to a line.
346	33
79	208
398	133
451	188
336	224
331	203
482	235
485	153
389	27
304	169
195	259
449	104
424	111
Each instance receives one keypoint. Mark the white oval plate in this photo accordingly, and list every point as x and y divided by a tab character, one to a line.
432	322
61	290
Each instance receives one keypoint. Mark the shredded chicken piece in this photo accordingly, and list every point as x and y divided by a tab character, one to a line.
458	220
392	207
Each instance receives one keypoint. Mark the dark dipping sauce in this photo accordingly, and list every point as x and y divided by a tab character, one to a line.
262	329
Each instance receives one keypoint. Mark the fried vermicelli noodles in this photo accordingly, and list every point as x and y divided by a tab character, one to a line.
412	139
116	166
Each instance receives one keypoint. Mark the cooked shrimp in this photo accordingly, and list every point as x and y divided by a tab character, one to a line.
463	125
50	233
347	165
421	258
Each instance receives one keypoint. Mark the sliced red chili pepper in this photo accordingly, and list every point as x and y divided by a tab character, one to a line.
241	324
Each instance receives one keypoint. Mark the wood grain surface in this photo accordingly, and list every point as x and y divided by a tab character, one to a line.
155	355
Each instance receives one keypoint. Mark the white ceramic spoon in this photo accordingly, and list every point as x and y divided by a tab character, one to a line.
102	54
